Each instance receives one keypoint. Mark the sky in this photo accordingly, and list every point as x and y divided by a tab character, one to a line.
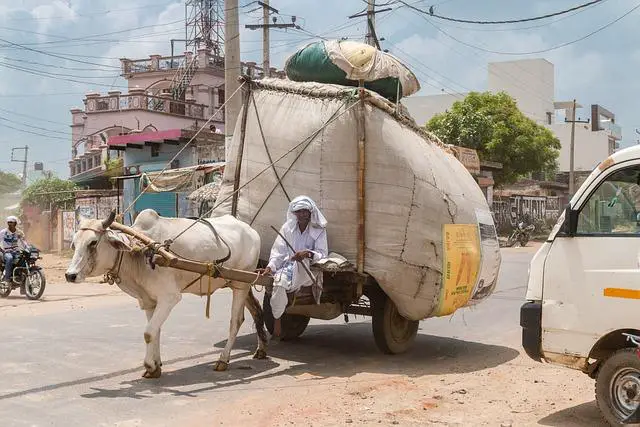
52	52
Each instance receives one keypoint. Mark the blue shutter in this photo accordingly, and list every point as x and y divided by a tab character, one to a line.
163	203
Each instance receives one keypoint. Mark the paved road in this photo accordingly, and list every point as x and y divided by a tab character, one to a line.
80	364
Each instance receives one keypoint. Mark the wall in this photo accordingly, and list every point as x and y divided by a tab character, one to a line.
423	108
590	147
529	81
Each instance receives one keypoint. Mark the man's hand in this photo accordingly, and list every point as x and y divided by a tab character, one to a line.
299	256
265	272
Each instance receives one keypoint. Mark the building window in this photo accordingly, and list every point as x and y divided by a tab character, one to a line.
549	117
155	150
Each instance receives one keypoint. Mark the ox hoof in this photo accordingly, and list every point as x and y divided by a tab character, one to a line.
260	354
220	366
148	373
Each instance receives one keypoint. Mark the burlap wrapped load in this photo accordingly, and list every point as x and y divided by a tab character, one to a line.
414	184
346	62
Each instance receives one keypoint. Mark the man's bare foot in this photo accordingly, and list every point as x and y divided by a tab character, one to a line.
277	328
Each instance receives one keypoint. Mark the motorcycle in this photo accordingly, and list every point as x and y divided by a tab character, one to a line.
520	234
26	274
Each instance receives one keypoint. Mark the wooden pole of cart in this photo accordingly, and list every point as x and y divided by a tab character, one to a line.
243	129
361	176
168	259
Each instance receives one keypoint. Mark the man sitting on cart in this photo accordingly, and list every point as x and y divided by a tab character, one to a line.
302	241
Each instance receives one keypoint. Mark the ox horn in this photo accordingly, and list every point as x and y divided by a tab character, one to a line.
107	222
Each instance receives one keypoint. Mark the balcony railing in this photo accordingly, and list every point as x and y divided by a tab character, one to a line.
156	63
142	101
165	63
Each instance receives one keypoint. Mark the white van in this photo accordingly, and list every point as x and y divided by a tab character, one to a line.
583	292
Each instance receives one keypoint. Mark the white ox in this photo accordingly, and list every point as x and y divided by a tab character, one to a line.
99	250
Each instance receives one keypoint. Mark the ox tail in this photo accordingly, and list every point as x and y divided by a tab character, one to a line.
253	305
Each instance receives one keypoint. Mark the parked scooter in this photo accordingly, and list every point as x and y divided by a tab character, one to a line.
520	233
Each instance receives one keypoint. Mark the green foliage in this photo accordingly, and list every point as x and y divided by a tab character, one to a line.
493	125
50	191
114	167
9	182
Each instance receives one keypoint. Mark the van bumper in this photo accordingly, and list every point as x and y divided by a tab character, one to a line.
531	323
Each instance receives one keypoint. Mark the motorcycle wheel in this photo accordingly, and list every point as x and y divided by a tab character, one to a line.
524	239
511	240
5	289
35	284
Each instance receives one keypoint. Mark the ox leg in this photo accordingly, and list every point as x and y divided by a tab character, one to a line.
237	317
155	343
254	308
152	334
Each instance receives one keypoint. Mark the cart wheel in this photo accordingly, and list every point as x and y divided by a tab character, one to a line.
393	333
293	325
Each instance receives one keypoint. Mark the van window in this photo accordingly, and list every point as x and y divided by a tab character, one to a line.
614	208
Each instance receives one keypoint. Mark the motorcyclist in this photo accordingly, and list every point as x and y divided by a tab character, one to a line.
11	241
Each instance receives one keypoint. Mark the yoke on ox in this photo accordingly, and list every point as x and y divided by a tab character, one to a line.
100	250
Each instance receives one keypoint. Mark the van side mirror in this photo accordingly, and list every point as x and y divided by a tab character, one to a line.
570	226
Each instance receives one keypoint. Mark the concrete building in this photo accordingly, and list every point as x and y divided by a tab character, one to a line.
531	83
164	93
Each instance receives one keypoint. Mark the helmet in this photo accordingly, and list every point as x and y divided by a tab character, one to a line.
12	219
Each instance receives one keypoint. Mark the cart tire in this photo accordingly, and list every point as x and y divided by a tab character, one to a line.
293	325
393	333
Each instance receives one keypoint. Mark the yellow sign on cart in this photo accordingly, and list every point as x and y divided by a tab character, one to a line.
461	265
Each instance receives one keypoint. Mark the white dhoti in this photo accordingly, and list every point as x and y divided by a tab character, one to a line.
284	284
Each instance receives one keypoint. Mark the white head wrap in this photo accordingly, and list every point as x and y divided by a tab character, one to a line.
304	202
12	219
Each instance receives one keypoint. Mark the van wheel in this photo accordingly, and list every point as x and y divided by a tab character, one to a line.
618	385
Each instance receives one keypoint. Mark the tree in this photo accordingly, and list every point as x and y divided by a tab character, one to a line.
9	182
493	125
47	192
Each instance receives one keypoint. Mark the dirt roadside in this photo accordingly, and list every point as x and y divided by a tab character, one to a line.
60	295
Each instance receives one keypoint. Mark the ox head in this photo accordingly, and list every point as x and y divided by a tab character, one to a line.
95	249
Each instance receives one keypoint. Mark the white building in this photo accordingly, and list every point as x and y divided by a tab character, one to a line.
531	83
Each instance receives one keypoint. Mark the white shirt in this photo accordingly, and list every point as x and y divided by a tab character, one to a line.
313	239
11	240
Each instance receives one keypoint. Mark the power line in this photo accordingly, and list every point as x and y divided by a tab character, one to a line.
530	27
35	133
16	67
35	127
515	80
13	67
510	21
541	50
54	55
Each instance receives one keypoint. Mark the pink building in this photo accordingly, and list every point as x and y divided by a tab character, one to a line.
164	93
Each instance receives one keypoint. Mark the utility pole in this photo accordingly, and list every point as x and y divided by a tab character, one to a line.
24	162
265	39
573	121
371	38
266	26
231	69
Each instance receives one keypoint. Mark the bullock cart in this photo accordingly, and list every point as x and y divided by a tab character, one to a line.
408	217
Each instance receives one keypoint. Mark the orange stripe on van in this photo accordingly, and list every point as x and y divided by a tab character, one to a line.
621	293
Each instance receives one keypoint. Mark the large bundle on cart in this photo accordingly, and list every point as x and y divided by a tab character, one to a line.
346	62
429	239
